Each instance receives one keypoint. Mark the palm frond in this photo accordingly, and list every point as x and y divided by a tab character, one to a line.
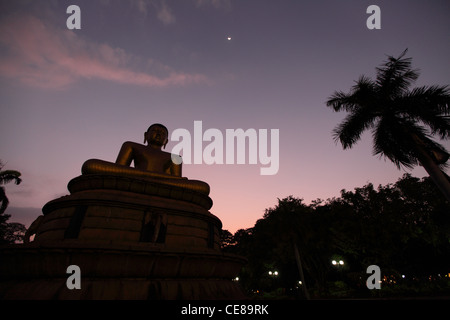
398	141
10	175
349	131
340	101
429	104
396	75
391	140
362	93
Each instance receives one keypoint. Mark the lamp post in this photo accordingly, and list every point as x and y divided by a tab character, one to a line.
337	263
273	273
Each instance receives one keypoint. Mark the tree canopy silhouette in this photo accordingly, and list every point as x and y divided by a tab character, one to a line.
402	227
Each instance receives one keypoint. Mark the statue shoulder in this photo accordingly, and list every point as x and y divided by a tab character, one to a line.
132	145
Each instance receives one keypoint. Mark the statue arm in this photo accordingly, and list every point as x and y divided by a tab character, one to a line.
125	155
175	169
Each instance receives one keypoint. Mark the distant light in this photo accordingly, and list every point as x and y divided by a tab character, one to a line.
270	273
300	282
341	262
228	38
275	273
334	262
403	276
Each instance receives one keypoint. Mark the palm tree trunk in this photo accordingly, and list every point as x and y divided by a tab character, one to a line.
439	178
300	270
3	200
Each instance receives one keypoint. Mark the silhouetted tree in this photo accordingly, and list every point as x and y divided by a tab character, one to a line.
401	121
9	232
403	227
226	239
14	232
7	176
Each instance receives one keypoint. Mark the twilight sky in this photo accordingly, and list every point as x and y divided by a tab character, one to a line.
70	95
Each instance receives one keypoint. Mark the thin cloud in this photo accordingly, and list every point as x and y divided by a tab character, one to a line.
165	15
141	5
217	4
40	55
163	12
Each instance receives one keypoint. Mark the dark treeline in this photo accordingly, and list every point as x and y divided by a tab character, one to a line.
404	228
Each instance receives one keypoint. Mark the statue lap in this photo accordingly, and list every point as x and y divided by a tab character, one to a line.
94	166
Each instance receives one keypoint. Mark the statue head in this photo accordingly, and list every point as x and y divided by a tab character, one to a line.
157	134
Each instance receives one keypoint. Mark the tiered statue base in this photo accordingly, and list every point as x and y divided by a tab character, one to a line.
131	239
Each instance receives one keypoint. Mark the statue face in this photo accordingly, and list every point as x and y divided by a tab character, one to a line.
157	135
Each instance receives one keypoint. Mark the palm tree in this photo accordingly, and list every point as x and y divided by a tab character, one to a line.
402	121
7	176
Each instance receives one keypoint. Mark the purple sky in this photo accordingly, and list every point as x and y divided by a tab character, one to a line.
70	95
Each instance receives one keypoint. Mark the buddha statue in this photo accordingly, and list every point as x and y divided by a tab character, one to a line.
150	162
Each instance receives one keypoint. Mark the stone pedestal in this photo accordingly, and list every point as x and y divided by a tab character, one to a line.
131	238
